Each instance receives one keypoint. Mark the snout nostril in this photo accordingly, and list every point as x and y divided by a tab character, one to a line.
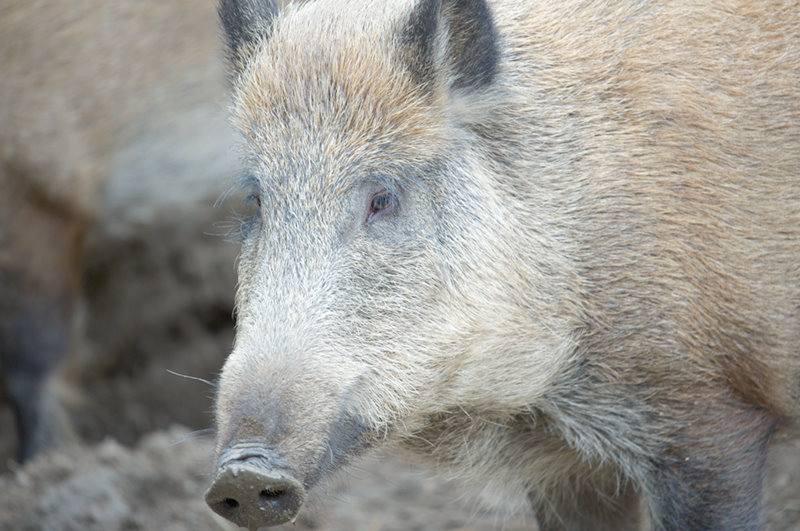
270	494
230	503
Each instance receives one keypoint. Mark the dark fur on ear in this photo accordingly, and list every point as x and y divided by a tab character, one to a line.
418	41
245	22
472	41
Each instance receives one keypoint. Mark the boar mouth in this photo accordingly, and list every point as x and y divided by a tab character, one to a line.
255	488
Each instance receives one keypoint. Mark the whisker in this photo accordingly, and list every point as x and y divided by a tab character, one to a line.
191	436
191	378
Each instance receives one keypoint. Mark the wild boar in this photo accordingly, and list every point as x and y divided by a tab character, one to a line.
552	248
102	104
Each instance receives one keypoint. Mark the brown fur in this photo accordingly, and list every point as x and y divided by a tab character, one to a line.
92	93
589	295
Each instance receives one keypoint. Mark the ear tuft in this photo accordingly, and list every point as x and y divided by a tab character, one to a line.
465	28
245	22
473	43
418	40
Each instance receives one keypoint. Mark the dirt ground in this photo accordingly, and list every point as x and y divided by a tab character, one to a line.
159	483
158	303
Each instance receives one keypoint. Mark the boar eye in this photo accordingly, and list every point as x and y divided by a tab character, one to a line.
253	199
381	203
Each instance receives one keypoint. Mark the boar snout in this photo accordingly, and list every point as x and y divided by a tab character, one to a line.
283	424
254	489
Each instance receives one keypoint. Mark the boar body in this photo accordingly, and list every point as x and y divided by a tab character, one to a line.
551	248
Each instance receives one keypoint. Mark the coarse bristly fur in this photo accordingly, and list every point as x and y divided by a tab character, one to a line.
584	292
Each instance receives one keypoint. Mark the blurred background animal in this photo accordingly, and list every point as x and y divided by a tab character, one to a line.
112	124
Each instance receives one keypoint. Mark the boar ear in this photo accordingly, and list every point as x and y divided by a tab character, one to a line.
466	33
245	23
